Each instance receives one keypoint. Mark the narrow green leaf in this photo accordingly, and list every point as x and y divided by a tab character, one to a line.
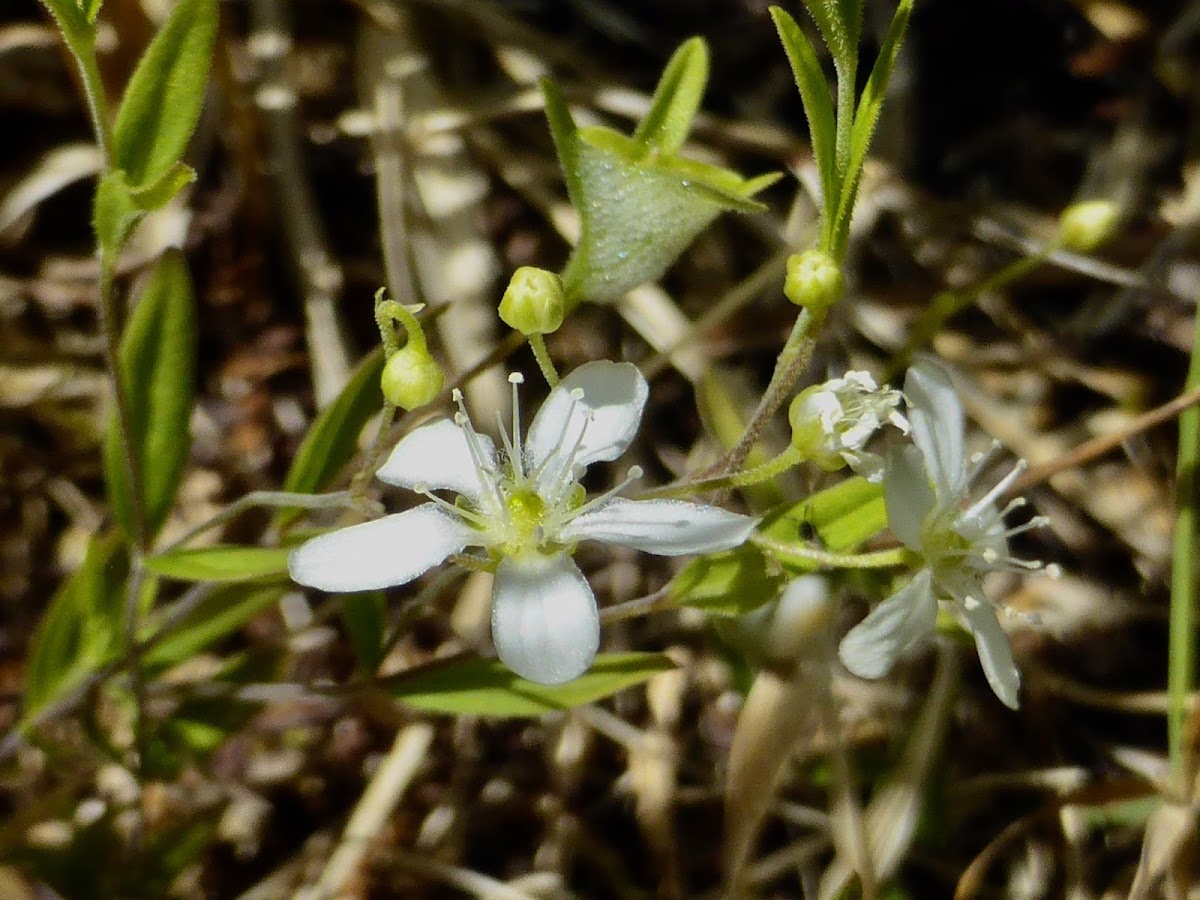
115	213
223	613
91	9
73	24
162	101
676	99
843	517
157	360
81	628
220	563
565	134
333	437
365	618
484	687
818	108
728	584
867	115
851	14
828	16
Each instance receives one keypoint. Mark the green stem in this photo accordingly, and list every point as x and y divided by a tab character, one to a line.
765	472
1181	639
793	358
97	101
538	344
801	555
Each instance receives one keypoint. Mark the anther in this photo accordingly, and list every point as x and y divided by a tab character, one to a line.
456	395
516	378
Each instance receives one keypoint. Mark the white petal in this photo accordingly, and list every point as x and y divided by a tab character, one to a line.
907	494
602	421
438	456
386	552
936	416
545	624
908	616
995	654
664	527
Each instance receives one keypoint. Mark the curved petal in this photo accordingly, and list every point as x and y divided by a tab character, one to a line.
386	552
907	494
545	624
598	423
936	416
663	527
438	456
872	646
995	653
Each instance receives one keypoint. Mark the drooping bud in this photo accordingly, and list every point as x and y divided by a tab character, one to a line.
1085	226
814	280
534	302
411	378
789	630
832	422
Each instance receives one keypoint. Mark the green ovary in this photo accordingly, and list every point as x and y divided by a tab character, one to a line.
526	511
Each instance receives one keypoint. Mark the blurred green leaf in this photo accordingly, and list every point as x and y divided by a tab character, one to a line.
162	101
365	618
223	613
73	22
82	629
333	437
842	518
223	562
157	359
565	135
728	584
484	687
676	100
115	213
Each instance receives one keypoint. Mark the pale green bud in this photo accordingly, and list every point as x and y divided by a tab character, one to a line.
411	378
814	280
534	301
1085	226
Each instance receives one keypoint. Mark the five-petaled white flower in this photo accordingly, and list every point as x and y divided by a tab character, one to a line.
832	422
527	509
927	492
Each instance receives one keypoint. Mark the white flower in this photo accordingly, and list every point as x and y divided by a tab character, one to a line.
927	491
832	422
527	509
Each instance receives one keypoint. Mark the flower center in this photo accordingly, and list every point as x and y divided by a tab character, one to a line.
526	511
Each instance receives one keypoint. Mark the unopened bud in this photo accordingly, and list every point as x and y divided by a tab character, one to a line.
1085	226
794	627
814	280
411	378
534	302
813	415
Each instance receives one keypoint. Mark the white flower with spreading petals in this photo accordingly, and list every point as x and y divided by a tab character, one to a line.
927	491
527	509
832	422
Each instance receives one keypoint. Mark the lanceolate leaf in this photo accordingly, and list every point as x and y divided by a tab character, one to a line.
676	99
74	25
221	614
333	437
818	109
365	618
485	687
728	584
81	629
220	563
867	115
162	102
157	359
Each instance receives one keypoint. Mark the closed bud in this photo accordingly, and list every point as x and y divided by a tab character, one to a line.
1085	226
534	302
814	280
411	378
832	423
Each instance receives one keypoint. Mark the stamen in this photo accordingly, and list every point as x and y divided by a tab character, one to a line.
989	498
575	396
515	379
485	471
634	473
980	461
458	512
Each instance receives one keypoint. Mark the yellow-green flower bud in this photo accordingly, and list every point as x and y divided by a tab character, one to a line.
534	302
411	378
1085	226
814	280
